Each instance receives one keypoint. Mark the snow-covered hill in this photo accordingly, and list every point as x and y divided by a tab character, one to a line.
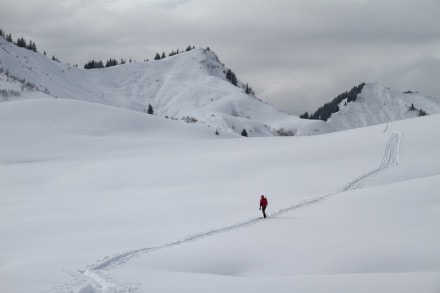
191	86
377	104
100	199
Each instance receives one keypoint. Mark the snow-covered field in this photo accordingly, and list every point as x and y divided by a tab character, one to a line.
100	199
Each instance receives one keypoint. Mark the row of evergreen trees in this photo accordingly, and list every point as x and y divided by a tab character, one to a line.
324	112
230	75
113	62
172	53
21	42
99	64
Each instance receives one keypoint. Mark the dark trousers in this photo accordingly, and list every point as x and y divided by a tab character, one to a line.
264	211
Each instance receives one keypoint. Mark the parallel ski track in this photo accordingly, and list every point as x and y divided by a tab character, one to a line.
98	283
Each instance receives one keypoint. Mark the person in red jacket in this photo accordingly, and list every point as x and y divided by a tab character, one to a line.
263	205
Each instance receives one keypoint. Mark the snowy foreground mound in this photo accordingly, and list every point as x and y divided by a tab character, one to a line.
100	199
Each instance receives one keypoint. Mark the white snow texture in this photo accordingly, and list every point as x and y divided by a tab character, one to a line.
97	196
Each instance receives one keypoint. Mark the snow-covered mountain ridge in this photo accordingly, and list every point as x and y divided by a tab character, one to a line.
193	87
190	86
377	104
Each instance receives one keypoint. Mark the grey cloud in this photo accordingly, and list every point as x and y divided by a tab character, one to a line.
296	54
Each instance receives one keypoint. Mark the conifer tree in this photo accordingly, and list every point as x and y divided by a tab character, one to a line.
32	46
21	42
111	62
249	90
244	132
150	109
231	77
305	115
94	64
422	113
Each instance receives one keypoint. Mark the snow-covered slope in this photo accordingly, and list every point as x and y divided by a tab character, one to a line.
377	104
190	86
100	199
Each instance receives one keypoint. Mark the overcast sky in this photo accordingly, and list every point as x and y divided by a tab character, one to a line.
296	54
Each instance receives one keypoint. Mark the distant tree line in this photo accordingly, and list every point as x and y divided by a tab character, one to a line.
94	64
324	112
21	42
159	56
113	62
232	78
99	64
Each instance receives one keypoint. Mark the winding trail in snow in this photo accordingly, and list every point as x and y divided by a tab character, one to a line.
97	283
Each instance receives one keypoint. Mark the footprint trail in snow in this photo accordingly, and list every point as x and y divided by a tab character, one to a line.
95	282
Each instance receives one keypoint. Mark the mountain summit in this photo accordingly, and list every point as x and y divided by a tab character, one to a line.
377	104
371	104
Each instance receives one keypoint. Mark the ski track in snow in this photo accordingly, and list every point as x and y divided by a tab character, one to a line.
93	277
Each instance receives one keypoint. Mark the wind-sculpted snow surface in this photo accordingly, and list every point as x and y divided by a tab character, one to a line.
96	282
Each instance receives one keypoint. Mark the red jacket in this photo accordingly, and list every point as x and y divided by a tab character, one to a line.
263	202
